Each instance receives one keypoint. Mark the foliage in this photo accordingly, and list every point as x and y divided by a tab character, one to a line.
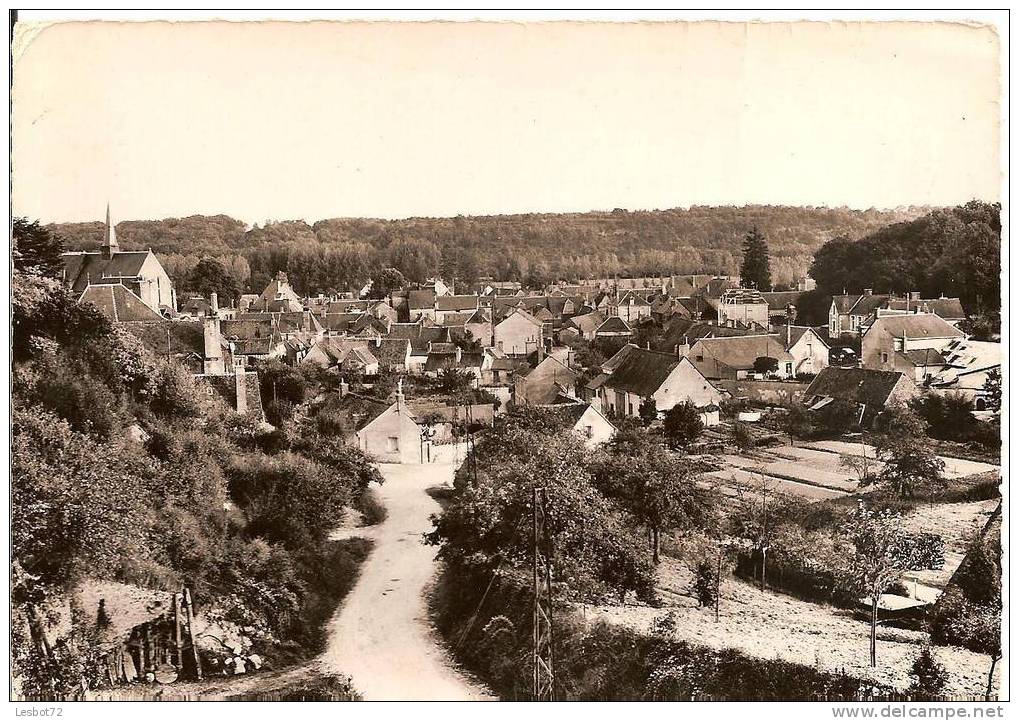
765	364
648	410
955	251
992	390
929	677
948	415
656	487
742	436
755	272
342	253
385	281
910	463
596	551
210	276
683	424
34	249
797	422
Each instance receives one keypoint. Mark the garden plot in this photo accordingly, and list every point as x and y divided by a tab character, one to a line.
954	467
780	485
803	471
773	625
958	524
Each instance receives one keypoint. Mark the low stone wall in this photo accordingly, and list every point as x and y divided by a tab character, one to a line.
779	393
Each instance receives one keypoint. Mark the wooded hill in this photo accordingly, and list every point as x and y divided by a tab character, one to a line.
339	253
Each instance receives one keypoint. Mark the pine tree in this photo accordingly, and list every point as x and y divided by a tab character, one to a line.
756	269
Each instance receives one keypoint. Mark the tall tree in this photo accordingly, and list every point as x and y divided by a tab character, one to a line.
34	247
756	269
209	276
910	463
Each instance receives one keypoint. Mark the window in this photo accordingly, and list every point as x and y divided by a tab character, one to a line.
884	357
589	431
700	359
393	444
788	369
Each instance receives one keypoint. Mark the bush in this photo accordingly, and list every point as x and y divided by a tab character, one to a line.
742	436
949	415
929	677
683	424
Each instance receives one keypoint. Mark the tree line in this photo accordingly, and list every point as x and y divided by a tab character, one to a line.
342	253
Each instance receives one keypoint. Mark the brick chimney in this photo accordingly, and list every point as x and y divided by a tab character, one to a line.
214	303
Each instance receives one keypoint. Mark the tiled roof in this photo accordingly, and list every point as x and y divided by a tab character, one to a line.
81	269
421	299
778	300
740	352
857	385
456	302
642	372
118	303
915	325
614	324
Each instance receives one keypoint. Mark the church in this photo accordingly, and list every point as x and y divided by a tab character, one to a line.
138	271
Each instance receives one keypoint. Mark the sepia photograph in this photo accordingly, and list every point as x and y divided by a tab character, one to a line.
503	356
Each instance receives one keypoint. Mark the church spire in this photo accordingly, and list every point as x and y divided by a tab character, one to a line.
110	245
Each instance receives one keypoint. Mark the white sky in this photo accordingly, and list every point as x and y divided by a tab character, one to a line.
318	120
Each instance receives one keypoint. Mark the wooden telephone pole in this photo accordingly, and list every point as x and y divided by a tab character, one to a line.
541	543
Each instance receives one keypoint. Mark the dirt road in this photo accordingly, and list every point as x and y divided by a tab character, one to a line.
381	636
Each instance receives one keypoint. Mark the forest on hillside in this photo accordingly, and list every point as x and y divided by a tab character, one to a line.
954	252
341	253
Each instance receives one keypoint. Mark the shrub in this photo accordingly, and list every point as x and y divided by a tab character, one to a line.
742	436
929	677
948	415
765	364
683	424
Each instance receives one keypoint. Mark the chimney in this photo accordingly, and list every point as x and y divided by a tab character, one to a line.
213	356
541	351
458	355
868	291
306	319
241	390
914	295
344	388
214	303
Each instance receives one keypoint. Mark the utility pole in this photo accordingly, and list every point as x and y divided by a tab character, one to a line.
541	543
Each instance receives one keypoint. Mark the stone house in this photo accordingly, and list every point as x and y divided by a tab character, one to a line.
519	333
734	357
910	344
392	436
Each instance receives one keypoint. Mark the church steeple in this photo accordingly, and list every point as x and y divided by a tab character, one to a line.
110	245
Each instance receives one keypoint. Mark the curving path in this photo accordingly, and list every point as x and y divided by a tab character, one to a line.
382	636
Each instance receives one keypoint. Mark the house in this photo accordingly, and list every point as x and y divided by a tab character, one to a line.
614	328
392	436
849	312
446	305
742	307
548	382
421	303
631	307
347	355
734	357
805	345
479	326
870	390
948	309
640	375
911	344
586	325
138	271
518	333
279	297
968	363
255	338
586	421
499	370
805	283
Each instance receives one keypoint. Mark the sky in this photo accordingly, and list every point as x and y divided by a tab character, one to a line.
274	121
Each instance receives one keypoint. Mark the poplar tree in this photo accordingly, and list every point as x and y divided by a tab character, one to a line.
756	269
